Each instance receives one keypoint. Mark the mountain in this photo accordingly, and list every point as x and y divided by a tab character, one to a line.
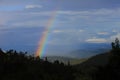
86	53
78	61
89	49
65	60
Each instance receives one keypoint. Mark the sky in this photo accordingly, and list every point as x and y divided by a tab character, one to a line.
77	24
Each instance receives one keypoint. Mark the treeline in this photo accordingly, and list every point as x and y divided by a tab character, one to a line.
19	66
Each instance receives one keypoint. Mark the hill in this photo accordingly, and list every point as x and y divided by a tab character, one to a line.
93	63
97	60
89	68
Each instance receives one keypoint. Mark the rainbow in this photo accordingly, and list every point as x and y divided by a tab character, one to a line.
43	40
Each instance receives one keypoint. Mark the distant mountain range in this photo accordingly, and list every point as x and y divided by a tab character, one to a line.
90	50
87	53
96	60
90	54
65	60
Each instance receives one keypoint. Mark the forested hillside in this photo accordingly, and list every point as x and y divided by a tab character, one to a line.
20	66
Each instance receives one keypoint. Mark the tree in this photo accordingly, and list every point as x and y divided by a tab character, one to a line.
115	45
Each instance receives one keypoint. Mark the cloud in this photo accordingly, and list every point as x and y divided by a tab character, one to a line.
114	31
81	30
89	12
32	23
96	40
102	33
68	31
33	6
57	31
96	15
66	36
65	18
112	38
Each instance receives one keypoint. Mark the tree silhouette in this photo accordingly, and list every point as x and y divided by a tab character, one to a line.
19	66
116	44
112	70
113	45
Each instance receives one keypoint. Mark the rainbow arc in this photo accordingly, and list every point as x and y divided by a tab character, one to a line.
43	40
